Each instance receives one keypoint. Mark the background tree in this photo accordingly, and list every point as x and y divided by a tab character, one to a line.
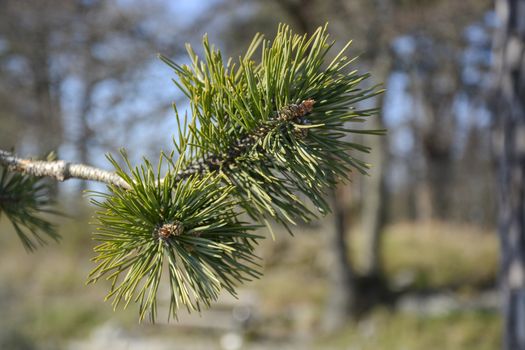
509	46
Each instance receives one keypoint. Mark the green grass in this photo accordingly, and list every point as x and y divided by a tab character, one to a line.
440	255
45	303
45	300
385	330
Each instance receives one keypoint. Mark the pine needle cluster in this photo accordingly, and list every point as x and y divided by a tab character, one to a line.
24	200
189	228
277	128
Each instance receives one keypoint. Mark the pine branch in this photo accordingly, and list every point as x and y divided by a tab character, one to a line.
59	170
291	113
247	148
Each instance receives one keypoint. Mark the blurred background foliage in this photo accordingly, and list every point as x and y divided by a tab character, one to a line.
408	259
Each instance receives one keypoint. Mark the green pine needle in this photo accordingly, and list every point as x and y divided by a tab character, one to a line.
187	230
307	155
22	199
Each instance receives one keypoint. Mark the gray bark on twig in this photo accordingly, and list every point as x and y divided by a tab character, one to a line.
60	170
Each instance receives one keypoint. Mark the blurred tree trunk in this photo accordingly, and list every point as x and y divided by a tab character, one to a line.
375	199
86	133
437	139
32	85
342	286
434	85
374	206
302	12
340	304
345	289
509	146
47	113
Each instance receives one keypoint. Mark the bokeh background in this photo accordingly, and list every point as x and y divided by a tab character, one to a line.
408	259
